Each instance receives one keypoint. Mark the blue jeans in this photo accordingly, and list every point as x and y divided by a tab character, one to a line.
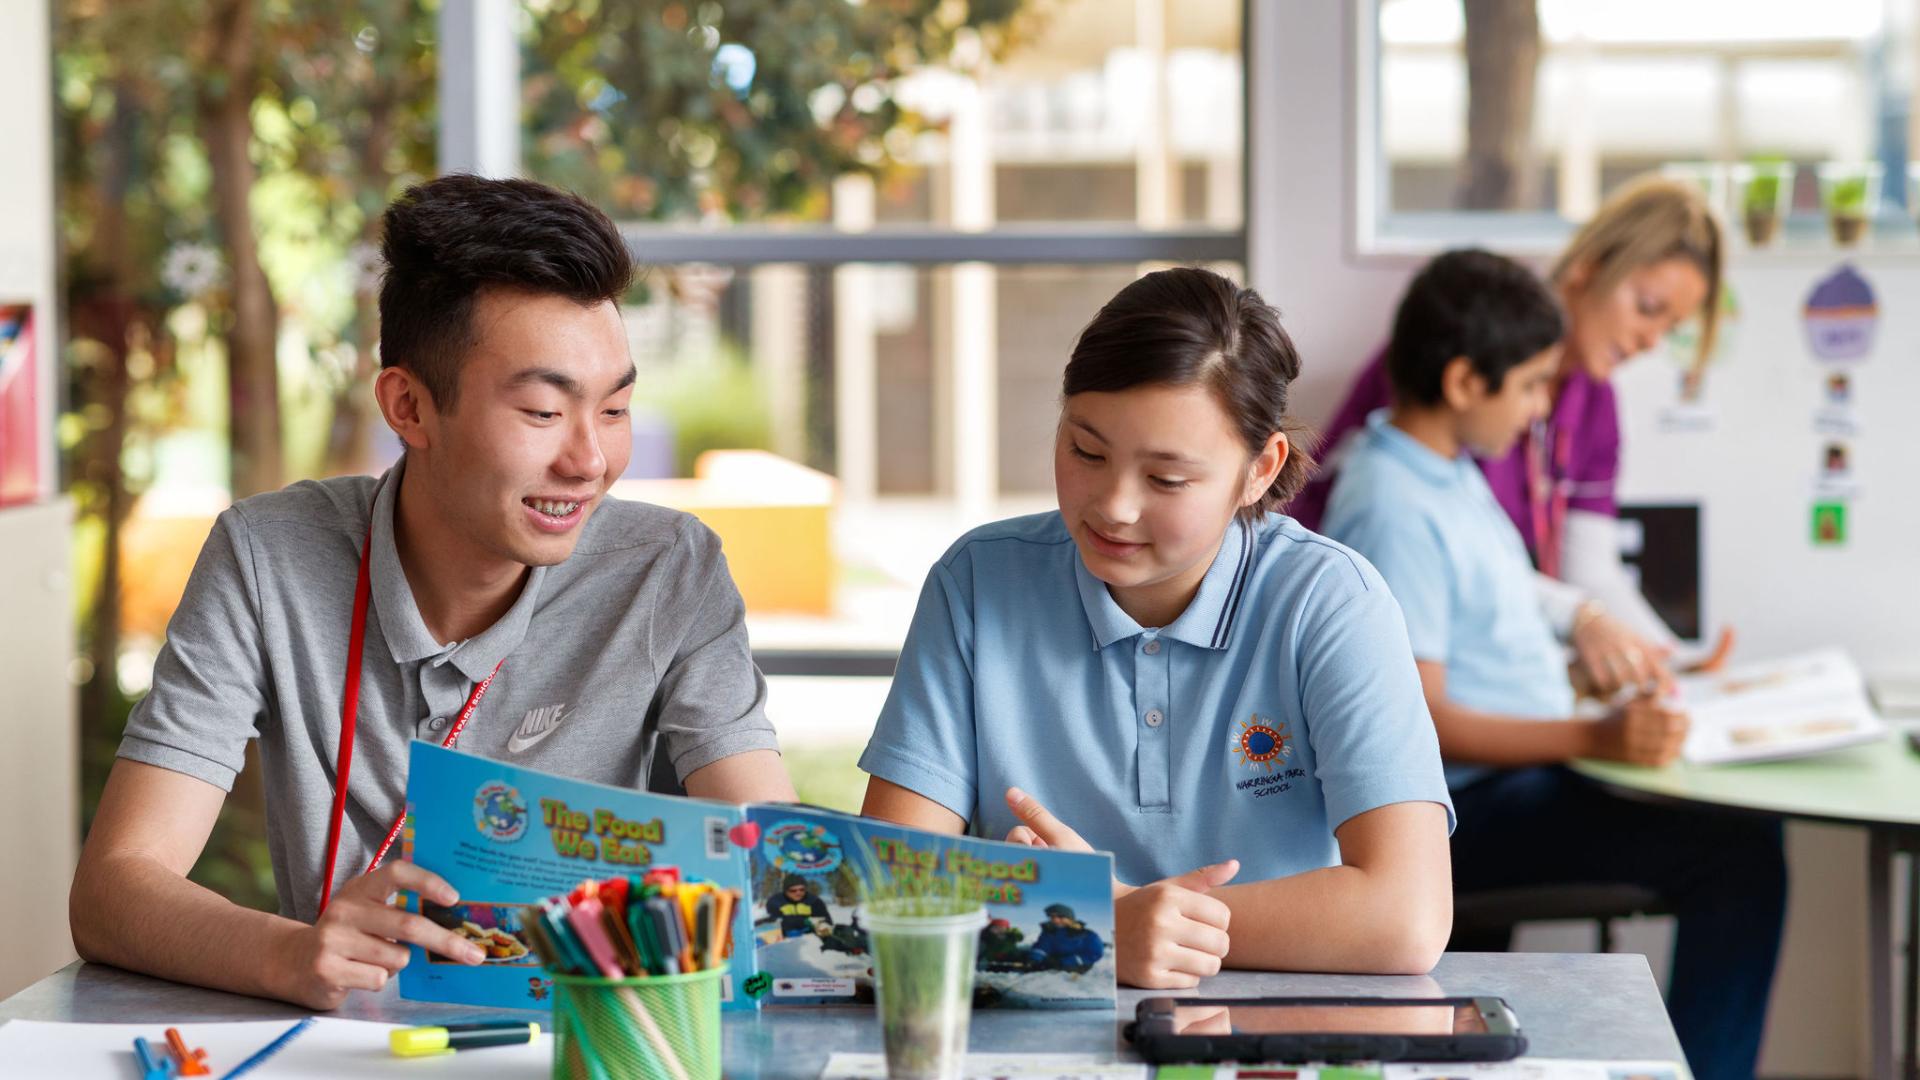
1723	875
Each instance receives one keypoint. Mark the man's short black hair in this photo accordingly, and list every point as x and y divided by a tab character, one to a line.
449	239
1470	303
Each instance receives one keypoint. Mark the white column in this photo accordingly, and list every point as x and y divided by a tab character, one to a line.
1578	182
856	393
971	380
1157	187
779	349
480	87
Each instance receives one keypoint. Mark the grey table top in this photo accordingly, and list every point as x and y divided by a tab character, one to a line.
1570	1006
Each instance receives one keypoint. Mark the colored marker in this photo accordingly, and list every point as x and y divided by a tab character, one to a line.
436	1041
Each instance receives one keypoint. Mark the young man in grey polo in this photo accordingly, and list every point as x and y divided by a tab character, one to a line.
490	578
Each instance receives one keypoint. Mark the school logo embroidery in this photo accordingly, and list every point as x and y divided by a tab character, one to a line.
499	812
799	848
538	724
1259	743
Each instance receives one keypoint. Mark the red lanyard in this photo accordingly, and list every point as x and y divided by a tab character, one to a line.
1549	451
350	713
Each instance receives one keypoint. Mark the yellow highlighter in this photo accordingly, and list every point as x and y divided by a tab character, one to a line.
435	1041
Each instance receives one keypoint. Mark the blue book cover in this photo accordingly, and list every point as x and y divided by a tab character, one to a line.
505	836
1048	942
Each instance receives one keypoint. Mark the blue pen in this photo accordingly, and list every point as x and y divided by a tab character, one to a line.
271	1048
154	1064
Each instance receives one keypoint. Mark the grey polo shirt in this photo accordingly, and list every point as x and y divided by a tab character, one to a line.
636	642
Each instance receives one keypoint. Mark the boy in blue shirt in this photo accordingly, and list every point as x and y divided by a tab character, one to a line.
1472	360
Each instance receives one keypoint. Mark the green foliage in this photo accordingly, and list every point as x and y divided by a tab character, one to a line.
1762	194
690	109
714	404
1848	195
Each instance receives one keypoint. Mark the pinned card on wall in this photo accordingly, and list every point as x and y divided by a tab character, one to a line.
1835	414
1840	317
1829	524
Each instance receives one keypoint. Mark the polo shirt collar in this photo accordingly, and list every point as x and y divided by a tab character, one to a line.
1413	453
400	620
1207	622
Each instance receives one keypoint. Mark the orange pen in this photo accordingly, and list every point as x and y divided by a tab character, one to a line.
191	1062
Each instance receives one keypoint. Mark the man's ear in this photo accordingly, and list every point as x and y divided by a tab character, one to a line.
1265	467
407	407
1460	386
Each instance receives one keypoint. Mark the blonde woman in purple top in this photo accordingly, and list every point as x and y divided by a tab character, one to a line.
1648	260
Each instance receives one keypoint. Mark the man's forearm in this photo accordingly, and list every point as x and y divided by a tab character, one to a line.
1340	918
130	911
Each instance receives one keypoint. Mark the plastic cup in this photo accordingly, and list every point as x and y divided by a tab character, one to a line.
1763	196
1851	193
923	970
1710	177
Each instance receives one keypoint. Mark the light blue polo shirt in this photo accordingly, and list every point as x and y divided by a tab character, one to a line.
1281	703
1460	571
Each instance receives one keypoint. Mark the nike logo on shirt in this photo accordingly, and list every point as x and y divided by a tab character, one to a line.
539	724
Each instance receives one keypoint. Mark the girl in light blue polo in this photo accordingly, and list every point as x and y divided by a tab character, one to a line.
1202	687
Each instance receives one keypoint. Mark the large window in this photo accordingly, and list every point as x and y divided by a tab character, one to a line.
1507	118
895	216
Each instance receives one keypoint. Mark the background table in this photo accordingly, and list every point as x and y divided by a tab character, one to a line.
1874	787
1570	1006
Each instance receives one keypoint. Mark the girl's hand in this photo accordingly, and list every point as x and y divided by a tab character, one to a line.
1040	828
1169	935
1717	659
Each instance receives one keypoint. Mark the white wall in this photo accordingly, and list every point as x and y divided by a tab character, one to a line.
1755	471
40	775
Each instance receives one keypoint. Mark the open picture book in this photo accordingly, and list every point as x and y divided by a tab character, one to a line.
1786	708
505	836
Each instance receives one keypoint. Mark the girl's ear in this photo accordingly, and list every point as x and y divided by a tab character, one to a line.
1265	468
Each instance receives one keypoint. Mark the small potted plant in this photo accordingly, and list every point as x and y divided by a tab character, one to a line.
1850	191
1764	191
923	932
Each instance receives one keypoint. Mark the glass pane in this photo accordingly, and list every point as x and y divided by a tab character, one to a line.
1619	87
961	114
754	359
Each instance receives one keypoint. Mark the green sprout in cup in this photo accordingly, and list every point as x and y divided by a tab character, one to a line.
1849	192
1765	187
923	928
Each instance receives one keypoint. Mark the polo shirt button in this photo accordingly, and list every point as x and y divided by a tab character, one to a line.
1151	648
438	723
1154	718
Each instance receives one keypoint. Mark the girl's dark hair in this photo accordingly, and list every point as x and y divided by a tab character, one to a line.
1190	326
448	239
1470	303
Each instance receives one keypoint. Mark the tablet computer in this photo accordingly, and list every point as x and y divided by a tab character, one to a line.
1168	1029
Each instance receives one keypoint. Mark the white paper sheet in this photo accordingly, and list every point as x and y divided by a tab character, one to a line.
845	1066
329	1048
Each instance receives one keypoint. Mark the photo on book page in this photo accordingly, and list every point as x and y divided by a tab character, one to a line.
1787	708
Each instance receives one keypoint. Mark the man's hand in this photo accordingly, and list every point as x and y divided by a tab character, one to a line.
1613	657
361	941
1644	731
